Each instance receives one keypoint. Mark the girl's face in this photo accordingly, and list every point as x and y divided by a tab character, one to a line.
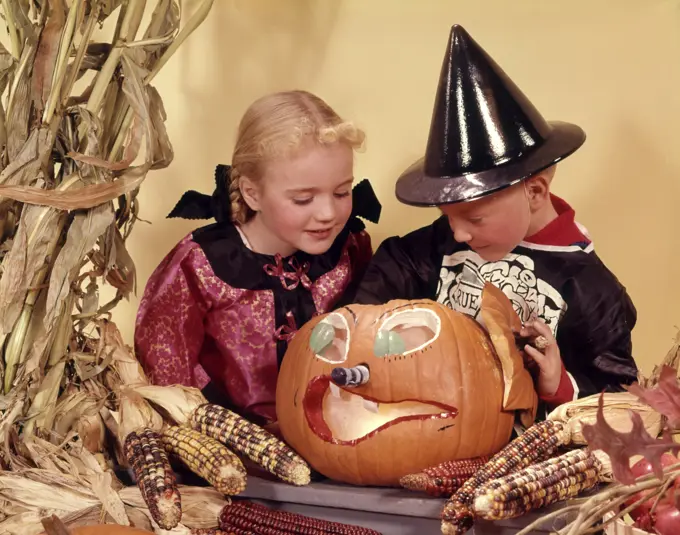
304	201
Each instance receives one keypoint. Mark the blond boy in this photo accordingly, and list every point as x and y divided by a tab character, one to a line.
488	167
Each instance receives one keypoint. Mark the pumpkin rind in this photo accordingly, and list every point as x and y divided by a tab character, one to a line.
501	322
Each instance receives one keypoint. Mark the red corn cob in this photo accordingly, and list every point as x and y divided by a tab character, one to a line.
445	478
254	518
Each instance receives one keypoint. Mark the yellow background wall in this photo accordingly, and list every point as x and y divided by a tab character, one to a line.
611	66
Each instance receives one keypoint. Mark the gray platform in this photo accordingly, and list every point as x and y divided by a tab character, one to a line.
389	511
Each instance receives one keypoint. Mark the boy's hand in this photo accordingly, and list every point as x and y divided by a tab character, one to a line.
549	361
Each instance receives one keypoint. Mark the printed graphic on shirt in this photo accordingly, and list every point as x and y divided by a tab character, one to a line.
464	273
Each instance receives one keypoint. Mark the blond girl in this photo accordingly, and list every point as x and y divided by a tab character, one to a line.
218	311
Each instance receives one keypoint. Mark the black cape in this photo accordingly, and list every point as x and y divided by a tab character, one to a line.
568	287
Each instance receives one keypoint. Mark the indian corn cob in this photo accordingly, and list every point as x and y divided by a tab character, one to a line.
445	478
255	518
538	485
211	531
252	441
145	454
206	457
536	444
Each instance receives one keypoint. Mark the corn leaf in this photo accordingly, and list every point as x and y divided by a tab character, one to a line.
164	22
125	265
37	231
162	150
46	55
131	152
18	109
25	167
83	233
84	197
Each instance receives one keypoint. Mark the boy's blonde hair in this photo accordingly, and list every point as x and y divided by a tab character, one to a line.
277	125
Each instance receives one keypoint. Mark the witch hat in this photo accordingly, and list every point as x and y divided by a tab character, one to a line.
485	134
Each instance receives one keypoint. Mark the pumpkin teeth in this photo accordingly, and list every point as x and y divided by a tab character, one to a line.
335	389
371	406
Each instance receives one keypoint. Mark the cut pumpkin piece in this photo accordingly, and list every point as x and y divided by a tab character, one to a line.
501	322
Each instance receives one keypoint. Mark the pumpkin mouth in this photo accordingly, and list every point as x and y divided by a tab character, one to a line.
339	416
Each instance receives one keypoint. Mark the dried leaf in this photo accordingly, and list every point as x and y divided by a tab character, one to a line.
134	89
18	110
84	197
27	523
91	298
664	397
83	233
94	128
102	487
131	152
108	7
46	55
671	359
621	446
165	21
12	280
38	229
25	167
163	153
7	63
125	265
22	20
197	18
45	399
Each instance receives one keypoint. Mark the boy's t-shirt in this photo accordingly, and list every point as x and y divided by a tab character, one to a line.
554	275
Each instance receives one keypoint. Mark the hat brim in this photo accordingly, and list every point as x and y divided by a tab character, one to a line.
416	188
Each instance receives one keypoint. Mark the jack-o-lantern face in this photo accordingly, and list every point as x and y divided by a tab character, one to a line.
367	394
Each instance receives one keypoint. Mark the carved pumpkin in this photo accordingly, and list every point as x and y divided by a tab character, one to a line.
422	384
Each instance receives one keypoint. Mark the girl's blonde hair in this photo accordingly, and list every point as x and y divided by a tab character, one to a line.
277	125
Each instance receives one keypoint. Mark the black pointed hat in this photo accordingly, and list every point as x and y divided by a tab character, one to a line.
485	134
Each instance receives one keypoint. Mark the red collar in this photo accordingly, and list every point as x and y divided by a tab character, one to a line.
561	231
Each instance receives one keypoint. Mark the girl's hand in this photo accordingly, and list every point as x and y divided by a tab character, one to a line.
549	360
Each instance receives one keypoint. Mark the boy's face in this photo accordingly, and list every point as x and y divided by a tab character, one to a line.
494	225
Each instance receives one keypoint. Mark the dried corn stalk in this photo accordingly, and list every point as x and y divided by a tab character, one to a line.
80	128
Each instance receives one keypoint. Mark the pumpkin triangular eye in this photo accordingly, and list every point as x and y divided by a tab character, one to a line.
321	337
388	343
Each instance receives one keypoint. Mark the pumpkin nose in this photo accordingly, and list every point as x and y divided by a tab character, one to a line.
356	376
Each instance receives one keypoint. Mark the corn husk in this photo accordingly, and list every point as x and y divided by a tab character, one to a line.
176	401
136	413
201	506
31	495
617	407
